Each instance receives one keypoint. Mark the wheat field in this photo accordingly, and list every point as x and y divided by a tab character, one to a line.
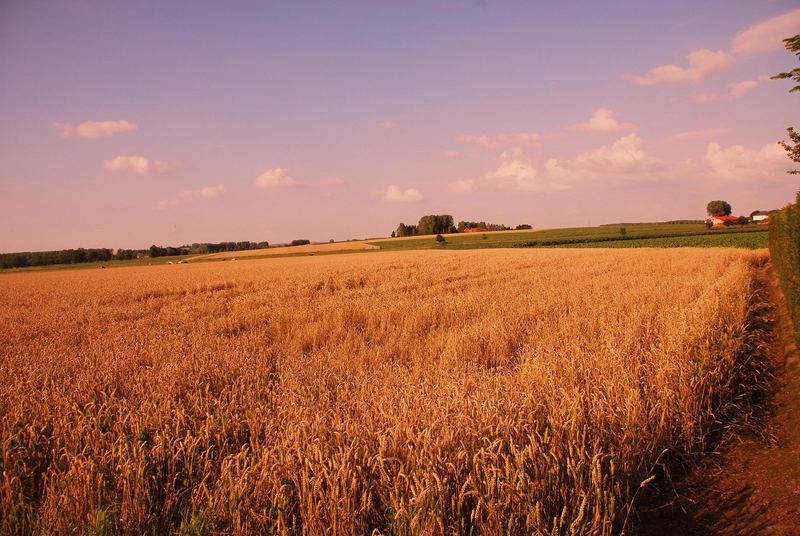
327	247
424	392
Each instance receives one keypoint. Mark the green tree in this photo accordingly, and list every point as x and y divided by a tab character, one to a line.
718	208
742	220
793	145
427	224
792	148
406	230
435	224
440	239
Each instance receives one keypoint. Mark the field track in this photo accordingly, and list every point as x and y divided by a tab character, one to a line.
750	482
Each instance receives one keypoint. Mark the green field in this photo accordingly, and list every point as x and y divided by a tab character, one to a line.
659	235
751	240
638	235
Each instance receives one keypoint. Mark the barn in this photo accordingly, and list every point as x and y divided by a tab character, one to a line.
719	221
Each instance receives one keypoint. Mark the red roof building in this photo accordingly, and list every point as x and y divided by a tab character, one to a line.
719	221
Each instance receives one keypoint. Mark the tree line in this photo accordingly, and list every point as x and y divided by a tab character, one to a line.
220	247
46	258
443	224
430	224
80	255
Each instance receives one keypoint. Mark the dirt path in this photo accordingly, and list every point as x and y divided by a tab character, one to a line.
753	487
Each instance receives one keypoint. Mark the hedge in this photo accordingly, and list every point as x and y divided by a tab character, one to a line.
784	247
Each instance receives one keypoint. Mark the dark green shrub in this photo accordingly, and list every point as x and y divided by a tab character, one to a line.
784	248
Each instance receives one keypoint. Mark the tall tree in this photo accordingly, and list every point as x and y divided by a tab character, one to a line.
435	224
718	208
406	230
793	145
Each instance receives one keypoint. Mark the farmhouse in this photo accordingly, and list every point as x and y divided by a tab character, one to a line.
759	216
719	221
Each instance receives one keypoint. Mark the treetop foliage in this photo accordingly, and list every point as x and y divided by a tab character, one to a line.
436	224
718	208
793	145
793	46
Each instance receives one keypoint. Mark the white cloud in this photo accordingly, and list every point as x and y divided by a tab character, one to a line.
702	63
762	37
704	96
170	203
164	168
767	35
740	89
128	164
737	163
625	159
395	194
141	165
481	141
387	125
275	178
207	192
450	153
519	175
692	135
64	129
736	90
333	181
461	187
94	129
603	121
519	139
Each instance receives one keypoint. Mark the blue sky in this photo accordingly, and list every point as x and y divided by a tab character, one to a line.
131	123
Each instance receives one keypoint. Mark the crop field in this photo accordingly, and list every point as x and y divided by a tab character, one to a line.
513	391
585	237
746	240
327	247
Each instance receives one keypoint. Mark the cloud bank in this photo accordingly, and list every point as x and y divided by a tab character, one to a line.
603	121
275	178
94	129
760	38
140	165
395	194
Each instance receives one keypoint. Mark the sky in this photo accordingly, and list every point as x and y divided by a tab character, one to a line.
125	124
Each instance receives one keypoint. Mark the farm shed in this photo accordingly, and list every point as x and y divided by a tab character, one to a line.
719	221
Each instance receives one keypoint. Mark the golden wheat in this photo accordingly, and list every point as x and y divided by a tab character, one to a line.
431	392
288	250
